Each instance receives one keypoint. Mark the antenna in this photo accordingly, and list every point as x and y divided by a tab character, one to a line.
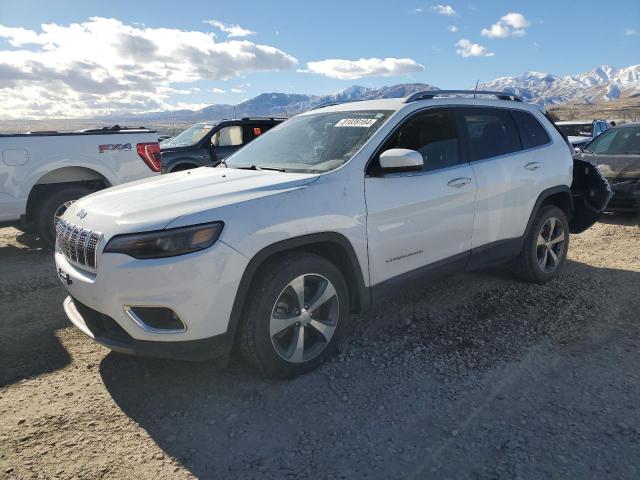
234	113
476	89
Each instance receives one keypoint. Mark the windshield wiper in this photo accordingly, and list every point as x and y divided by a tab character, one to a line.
257	167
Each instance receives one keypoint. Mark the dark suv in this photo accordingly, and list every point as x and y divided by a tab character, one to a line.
208	143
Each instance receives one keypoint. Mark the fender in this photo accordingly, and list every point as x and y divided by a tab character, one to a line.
360	296
544	195
185	160
37	174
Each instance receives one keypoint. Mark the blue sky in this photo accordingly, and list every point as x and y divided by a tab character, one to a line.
559	37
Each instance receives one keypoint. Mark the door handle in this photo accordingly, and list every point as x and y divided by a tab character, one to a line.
459	182
533	166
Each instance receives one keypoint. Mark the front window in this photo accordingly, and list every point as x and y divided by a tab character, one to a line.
190	136
576	129
315	143
617	141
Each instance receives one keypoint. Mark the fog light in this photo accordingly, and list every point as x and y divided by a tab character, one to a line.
156	319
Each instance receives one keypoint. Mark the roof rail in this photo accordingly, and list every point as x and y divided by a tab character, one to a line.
429	94
337	102
326	104
263	118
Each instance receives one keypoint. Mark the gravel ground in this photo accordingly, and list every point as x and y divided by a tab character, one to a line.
475	376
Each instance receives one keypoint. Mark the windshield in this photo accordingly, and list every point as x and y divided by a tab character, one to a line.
616	141
314	143
190	136
576	129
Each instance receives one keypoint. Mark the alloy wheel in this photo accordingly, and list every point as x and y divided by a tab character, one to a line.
304	318
550	245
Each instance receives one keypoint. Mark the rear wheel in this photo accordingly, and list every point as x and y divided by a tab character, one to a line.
53	206
296	315
545	247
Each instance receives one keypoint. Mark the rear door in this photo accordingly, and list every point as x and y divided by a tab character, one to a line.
415	219
509	178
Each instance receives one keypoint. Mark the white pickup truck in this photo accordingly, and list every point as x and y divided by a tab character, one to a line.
42	173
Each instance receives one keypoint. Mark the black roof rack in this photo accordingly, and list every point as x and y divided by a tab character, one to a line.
430	94
263	118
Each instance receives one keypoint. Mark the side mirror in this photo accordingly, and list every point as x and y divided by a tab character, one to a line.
401	160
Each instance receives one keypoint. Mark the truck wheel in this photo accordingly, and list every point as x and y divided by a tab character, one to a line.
52	207
296	315
545	247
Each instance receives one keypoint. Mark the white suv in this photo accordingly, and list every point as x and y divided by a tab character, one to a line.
323	215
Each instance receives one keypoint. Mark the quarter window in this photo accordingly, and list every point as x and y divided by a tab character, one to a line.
434	135
532	133
490	132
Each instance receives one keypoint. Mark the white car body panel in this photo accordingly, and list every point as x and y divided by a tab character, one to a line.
31	159
509	185
416	219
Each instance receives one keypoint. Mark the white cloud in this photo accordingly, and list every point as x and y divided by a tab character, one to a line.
444	10
510	25
236	90
630	32
217	90
230	30
466	48
453	29
365	67
104	66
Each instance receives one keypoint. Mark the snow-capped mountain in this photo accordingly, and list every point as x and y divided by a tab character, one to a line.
284	104
599	85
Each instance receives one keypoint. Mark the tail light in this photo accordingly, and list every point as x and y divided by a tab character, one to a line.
150	153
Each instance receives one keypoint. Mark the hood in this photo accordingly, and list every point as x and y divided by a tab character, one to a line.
152	203
578	140
615	166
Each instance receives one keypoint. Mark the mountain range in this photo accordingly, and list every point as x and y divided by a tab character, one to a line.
601	84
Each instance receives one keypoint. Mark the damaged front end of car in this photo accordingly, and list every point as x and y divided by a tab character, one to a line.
591	194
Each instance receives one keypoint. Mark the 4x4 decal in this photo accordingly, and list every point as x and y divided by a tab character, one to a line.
114	147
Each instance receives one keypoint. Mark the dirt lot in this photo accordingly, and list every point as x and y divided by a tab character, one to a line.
475	376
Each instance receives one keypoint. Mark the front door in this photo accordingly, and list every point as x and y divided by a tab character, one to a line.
415	219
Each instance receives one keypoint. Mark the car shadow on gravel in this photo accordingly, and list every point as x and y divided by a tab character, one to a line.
408	355
30	313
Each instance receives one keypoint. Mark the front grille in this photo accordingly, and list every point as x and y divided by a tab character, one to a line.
77	244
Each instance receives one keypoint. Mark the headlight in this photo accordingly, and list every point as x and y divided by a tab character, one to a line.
166	243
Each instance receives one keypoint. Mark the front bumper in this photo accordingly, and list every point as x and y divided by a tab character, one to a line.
106	331
200	288
626	196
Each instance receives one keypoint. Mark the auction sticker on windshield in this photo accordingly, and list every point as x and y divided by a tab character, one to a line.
356	122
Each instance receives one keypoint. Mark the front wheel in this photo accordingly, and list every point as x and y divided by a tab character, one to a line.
296	315
545	247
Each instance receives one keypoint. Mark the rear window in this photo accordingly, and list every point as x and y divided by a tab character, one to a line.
491	132
532	133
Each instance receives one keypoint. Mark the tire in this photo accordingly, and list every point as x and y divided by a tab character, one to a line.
53	205
291	343
544	252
